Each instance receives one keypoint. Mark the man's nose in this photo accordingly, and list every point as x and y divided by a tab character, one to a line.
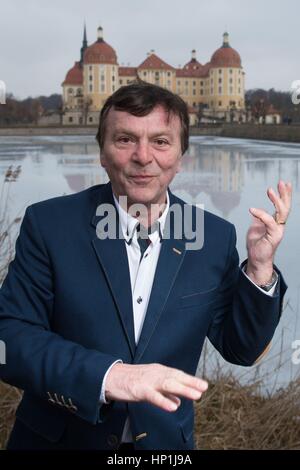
142	153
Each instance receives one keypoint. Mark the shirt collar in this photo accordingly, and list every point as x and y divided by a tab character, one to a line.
129	223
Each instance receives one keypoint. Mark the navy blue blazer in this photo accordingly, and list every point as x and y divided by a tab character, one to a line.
66	315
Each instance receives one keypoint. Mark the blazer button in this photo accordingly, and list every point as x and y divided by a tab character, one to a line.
112	440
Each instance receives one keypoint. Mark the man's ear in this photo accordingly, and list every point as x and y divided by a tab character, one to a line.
102	159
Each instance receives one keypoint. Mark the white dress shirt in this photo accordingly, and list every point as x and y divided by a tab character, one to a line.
141	278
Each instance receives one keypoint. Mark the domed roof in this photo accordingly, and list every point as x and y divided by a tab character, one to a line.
74	75
225	56
100	52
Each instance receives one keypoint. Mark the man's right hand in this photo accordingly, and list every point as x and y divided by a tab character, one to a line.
157	384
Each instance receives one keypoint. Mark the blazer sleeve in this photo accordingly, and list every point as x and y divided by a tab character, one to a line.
244	318
37	359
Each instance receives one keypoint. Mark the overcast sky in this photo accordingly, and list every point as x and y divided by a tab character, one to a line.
40	39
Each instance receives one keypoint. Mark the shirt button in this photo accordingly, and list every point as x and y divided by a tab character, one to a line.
139	300
112	440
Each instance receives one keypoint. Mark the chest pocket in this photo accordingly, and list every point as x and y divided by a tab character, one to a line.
198	299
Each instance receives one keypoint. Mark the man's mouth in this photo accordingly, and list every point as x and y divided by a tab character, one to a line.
141	177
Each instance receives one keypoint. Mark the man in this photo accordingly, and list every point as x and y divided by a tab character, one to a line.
104	333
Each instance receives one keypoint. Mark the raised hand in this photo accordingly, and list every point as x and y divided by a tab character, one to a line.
266	233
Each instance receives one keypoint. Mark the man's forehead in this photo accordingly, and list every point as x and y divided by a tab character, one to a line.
158	116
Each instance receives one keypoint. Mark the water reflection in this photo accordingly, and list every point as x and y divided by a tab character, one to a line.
226	175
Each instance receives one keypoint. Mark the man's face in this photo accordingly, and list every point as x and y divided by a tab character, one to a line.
142	154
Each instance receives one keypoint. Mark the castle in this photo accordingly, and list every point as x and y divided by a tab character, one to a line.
213	91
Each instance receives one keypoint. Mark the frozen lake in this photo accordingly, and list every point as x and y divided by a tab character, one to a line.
226	175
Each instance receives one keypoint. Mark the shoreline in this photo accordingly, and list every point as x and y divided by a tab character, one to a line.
270	132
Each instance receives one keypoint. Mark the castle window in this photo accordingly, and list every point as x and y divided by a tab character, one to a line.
113	78
90	119
145	74
91	77
194	83
201	92
220	70
70	119
186	83
121	82
211	91
91	88
70	91
239	90
230	80
90	68
169	74
102	78
220	90
220	103
201	83
230	71
220	80
194	91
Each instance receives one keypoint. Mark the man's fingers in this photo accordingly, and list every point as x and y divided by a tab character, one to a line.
192	381
282	202
175	387
162	401
264	217
174	398
277	202
285	192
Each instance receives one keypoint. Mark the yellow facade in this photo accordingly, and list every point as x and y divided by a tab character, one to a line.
218	86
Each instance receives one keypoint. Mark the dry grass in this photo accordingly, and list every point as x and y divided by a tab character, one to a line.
9	399
235	416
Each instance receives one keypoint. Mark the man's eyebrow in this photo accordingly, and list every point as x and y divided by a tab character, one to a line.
123	130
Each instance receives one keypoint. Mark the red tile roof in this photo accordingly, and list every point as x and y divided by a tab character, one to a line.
100	53
155	62
74	75
272	110
127	71
201	71
225	56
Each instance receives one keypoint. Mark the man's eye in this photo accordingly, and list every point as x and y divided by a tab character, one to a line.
161	142
124	140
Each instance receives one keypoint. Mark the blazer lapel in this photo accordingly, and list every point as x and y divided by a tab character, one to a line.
112	256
